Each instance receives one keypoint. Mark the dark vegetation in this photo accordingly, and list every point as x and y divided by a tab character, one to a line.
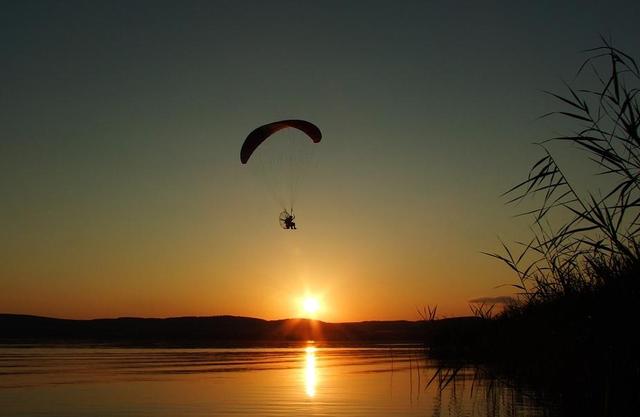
197	331
570	334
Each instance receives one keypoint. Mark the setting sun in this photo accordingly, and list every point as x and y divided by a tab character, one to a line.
310	305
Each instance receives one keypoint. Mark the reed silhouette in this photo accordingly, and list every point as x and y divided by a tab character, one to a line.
569	331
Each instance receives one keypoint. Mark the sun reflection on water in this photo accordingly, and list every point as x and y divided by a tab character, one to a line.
310	374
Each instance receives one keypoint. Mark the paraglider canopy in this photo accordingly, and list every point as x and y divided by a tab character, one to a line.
260	134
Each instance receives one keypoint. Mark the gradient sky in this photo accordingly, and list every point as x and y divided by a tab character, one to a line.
121	124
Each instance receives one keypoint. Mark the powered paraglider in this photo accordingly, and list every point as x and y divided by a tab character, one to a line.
279	153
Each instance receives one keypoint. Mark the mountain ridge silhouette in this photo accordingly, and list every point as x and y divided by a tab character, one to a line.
199	330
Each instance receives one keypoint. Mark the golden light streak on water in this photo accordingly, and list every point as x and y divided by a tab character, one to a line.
310	373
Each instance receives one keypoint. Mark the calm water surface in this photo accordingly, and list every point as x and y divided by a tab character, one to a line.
304	380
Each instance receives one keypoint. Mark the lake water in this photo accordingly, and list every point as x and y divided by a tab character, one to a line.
303	380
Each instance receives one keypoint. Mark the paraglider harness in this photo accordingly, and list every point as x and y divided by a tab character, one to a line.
286	220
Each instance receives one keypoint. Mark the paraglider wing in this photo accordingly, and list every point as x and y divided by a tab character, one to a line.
261	133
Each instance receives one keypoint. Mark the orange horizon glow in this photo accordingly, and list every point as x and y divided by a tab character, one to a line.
273	286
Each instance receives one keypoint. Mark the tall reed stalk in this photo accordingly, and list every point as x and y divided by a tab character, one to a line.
599	235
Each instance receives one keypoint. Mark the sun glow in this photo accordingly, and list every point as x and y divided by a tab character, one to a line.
310	306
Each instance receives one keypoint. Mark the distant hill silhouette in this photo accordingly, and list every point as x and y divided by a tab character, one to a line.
200	330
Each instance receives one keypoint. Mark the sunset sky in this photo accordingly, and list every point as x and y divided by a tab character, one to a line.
121	125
